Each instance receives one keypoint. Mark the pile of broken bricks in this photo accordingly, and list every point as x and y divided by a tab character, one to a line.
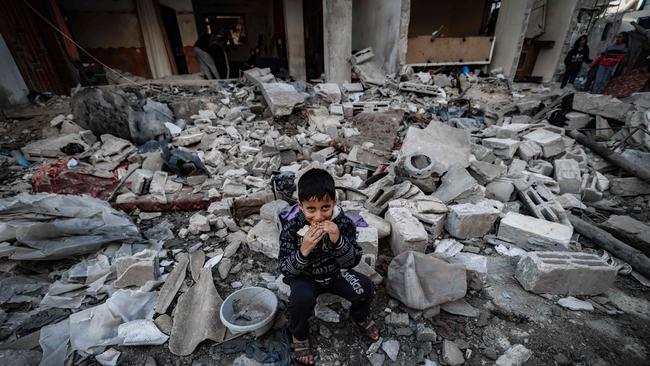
495	180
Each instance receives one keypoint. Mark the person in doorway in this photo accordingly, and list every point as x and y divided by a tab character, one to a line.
574	59
607	61
202	49
315	246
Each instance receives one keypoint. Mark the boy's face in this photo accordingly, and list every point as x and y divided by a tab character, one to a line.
318	210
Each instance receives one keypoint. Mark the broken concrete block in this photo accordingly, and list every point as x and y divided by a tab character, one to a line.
421	281
456	183
550	142
567	175
447	248
530	233
271	211
516	355
407	232
362	56
602	105
264	238
382	226
157	186
529	150
630	230
329	92
629	187
486	172
500	189
574	304
259	76
139	180
221	208
542	167
418	88
589	188
199	224
468	220
603	130
281	98
137	269
564	273
323	155
446	146
503	148
368	240
370	73
577	120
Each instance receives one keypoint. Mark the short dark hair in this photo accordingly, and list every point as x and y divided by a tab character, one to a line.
316	183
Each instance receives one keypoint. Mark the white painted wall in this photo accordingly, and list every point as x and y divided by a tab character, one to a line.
376	24
509	35
558	18
12	86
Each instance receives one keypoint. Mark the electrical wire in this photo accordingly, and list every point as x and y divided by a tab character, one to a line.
78	45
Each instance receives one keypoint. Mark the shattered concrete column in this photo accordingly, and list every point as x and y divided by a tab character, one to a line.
295	38
509	34
337	40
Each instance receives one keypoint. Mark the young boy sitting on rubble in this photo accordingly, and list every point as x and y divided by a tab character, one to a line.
314	246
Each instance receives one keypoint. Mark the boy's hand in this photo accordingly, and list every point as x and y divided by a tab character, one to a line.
331	229
311	239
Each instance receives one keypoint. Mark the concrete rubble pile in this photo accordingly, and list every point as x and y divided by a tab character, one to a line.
474	176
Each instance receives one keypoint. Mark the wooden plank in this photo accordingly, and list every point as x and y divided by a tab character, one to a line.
449	51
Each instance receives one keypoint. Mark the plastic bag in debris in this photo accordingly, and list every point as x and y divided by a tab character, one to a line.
141	332
52	226
470	124
98	326
421	281
284	186
176	160
275	350
54	340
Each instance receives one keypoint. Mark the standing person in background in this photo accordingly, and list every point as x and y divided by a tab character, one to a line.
607	61
574	59
202	49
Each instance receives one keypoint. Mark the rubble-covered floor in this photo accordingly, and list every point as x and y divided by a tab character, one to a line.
488	151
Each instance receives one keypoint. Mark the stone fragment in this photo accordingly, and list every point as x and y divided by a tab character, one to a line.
451	354
563	273
264	237
529	150
460	307
486	172
281	98
197	259
602	105
550	142
397	319
198	224
425	334
137	269
567	175
407	232
531	233
164	323
172	284
574	304
603	130
503	148
468	220
516	355
368	240
500	189
224	268
271	211
391	347
221	208
326	314
196	316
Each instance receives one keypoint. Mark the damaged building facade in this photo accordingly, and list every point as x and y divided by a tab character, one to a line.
499	217
154	39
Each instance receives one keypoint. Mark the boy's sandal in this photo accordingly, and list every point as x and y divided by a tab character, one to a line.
369	328
302	349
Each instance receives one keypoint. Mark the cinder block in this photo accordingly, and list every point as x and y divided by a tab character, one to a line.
407	232
531	233
467	220
564	273
567	175
550	142
503	148
368	240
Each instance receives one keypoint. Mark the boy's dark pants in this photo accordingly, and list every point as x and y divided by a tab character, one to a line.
351	285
